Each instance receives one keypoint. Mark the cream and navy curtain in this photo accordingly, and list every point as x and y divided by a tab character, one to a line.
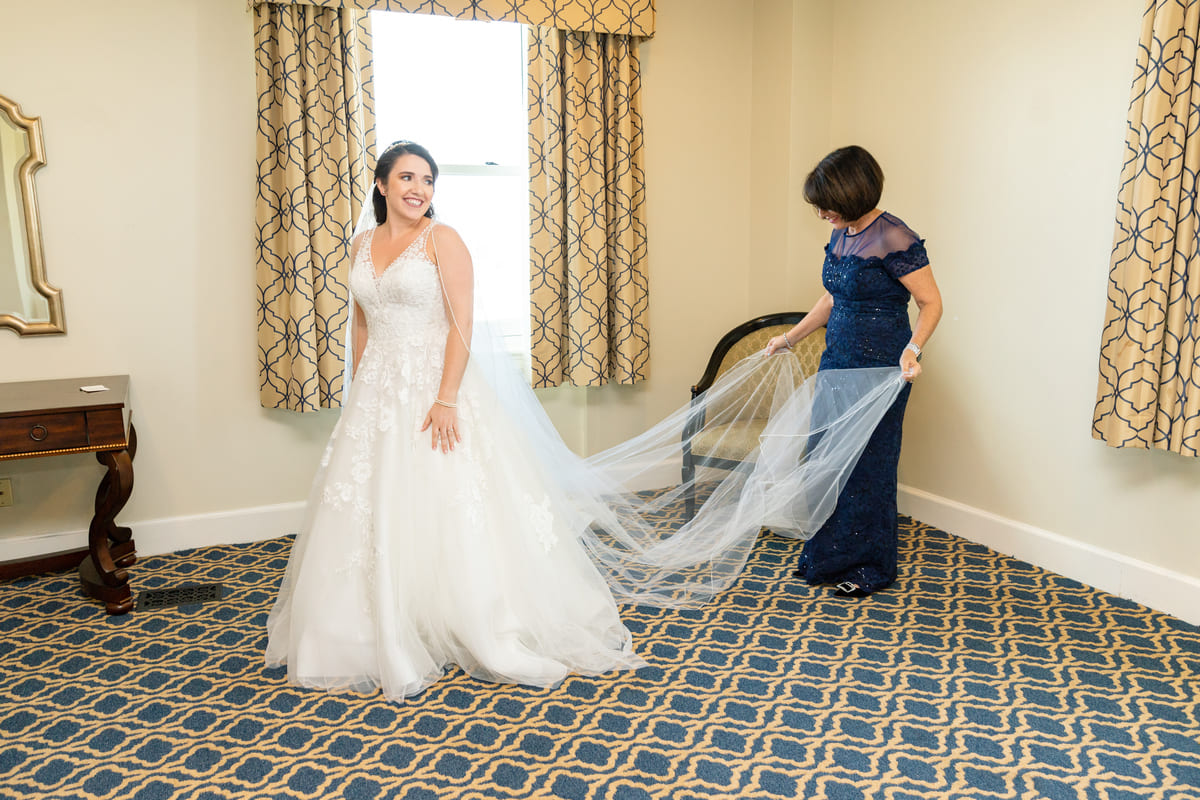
627	17
314	120
589	293
1149	388
316	115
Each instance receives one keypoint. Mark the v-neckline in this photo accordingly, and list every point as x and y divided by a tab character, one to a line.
375	272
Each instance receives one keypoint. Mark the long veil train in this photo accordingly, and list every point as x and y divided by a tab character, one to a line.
626	502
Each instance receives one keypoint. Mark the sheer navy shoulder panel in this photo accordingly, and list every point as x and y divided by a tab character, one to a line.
887	240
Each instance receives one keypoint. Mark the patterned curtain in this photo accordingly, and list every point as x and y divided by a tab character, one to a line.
627	17
589	293
1149	389
313	81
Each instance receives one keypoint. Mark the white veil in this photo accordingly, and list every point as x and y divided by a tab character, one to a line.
810	431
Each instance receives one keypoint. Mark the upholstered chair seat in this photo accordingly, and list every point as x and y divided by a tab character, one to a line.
729	442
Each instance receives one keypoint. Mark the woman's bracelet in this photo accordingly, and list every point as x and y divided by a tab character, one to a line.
442	402
916	350
786	342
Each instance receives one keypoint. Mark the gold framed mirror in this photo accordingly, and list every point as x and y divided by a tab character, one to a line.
28	303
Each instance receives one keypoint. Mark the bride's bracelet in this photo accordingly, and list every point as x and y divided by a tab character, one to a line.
442	402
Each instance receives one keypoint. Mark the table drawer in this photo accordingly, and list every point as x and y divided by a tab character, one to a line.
39	432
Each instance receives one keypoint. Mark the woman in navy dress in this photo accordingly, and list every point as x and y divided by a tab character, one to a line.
873	264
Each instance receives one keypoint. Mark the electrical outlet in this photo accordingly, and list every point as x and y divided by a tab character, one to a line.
6	498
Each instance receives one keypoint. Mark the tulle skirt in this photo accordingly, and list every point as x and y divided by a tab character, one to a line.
411	560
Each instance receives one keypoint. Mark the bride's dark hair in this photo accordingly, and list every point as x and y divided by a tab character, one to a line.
383	168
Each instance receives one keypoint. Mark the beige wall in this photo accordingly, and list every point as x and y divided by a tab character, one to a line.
148	111
999	125
811	138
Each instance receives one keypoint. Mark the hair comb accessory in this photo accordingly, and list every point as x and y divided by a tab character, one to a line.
395	144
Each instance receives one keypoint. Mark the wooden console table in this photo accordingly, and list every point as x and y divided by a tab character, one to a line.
49	418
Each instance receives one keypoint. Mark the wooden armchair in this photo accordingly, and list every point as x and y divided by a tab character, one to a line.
718	446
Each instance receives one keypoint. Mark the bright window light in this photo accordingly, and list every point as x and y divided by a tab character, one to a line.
458	88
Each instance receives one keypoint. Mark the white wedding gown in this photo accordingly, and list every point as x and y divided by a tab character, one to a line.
410	559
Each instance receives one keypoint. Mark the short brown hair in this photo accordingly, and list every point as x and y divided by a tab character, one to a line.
848	182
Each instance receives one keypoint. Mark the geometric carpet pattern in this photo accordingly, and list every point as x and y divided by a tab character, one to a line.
974	676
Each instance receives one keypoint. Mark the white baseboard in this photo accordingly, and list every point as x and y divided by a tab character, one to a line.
1161	589
155	537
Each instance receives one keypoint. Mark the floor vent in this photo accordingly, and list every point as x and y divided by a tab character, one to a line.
180	595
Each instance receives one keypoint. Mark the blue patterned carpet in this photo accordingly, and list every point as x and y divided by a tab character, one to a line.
976	676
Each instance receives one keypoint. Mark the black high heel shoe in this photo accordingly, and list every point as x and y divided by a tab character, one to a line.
849	589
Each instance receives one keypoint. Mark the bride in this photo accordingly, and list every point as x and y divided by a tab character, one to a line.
430	537
449	525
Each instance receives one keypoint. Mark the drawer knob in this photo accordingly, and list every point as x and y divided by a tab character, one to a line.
38	433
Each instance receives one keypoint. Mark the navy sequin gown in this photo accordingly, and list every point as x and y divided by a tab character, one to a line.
868	327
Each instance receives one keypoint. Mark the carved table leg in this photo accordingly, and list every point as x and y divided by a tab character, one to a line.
110	547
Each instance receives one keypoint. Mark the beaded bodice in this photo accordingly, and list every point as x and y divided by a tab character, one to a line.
406	320
403	301
868	325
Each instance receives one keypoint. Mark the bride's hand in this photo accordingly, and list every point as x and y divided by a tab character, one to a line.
443	423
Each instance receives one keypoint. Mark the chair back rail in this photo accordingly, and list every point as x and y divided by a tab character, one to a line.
753	335
742	341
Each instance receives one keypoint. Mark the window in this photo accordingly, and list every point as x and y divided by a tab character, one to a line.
458	88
